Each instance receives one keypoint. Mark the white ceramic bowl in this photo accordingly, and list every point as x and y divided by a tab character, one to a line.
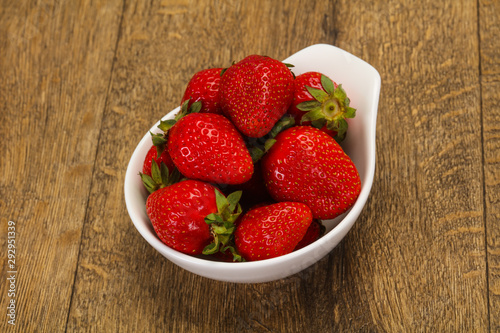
362	83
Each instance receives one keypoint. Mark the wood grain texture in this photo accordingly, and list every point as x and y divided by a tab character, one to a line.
81	82
55	69
489	16
418	250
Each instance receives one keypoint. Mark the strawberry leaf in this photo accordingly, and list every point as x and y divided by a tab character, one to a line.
350	112
160	177
148	182
319	123
164	173
175	176
210	218
184	110
313	115
195	107
340	138
236	255
165	125
257	147
221	229
340	93
309	105
211	248
233	199
256	154
222	202
340	126
318	94
159	141
236	214
158	138
222	223
155	172
327	84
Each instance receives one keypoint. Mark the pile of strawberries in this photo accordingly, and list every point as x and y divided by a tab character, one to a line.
251	164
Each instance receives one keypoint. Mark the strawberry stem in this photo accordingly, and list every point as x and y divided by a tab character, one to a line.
328	107
259	146
160	177
222	224
332	109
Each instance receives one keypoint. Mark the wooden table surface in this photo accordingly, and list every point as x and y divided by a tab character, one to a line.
81	82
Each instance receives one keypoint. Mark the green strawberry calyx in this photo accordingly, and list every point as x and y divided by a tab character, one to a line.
160	139
259	146
222	224
160	177
330	108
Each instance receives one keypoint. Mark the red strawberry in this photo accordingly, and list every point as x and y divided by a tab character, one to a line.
152	155
272	231
307	165
204	87
193	217
255	93
206	146
320	102
314	232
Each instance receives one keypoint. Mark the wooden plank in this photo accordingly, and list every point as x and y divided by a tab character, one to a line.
416	259
489	15
55	70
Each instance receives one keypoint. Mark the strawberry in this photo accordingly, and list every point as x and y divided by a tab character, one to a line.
255	93
152	155
307	165
320	102
314	232
193	217
272	231
204	87
206	146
